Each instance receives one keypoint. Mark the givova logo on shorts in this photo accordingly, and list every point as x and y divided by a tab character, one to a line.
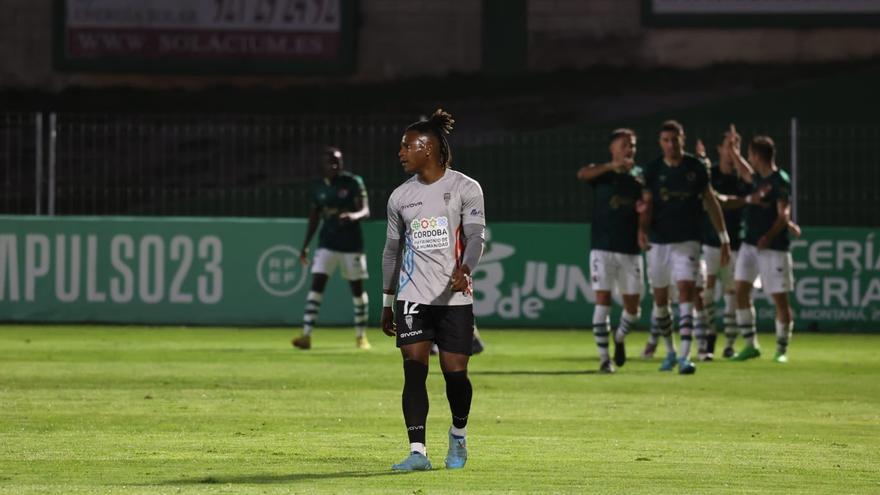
430	233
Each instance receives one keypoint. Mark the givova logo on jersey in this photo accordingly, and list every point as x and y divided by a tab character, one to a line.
430	233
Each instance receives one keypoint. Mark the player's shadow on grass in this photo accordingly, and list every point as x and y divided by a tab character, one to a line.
258	479
534	372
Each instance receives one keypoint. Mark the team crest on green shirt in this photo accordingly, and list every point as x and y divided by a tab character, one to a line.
617	201
664	193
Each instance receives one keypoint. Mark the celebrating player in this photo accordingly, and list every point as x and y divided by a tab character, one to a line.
436	231
615	257
765	249
677	191
340	198
727	183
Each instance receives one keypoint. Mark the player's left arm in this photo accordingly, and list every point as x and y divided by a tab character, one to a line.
362	205
794	229
783	220
713	208
473	226
645	209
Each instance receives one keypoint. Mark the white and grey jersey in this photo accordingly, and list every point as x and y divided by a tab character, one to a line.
430	218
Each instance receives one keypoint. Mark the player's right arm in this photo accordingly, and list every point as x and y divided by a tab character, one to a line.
592	171
314	219
392	256
732	202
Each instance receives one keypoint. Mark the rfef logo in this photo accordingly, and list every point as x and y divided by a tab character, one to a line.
279	271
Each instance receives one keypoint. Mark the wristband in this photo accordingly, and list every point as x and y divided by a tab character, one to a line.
387	300
724	237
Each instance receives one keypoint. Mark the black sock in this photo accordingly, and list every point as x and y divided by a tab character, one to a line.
459	392
415	399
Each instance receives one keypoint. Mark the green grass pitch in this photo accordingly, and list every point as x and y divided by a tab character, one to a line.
109	410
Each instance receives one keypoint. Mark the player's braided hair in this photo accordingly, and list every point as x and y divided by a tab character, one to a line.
438	125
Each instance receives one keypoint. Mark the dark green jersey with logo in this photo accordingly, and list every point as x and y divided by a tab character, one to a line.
677	211
760	217
730	185
615	221
343	193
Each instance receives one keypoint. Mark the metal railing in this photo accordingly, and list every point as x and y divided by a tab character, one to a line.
232	165
21	163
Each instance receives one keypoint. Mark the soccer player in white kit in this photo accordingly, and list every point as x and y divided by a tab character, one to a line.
436	231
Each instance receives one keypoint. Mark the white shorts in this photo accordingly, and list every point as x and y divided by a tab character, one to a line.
700	282
675	262
623	271
774	267
724	274
353	265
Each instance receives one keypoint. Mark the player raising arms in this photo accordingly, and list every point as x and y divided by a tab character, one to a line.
340	198
615	257
436	231
727	182
765	249
677	191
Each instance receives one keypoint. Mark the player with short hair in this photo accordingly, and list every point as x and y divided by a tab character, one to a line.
726	182
676	193
766	248
340	200
436	231
615	257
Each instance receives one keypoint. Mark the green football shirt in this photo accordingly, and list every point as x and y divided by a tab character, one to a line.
332	197
615	221
759	218
677	199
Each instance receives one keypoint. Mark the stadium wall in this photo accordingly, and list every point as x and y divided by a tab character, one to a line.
392	37
233	271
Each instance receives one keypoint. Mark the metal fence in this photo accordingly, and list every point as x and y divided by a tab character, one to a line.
21	163
232	165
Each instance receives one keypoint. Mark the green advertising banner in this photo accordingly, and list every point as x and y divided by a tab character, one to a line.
246	272
159	271
535	275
